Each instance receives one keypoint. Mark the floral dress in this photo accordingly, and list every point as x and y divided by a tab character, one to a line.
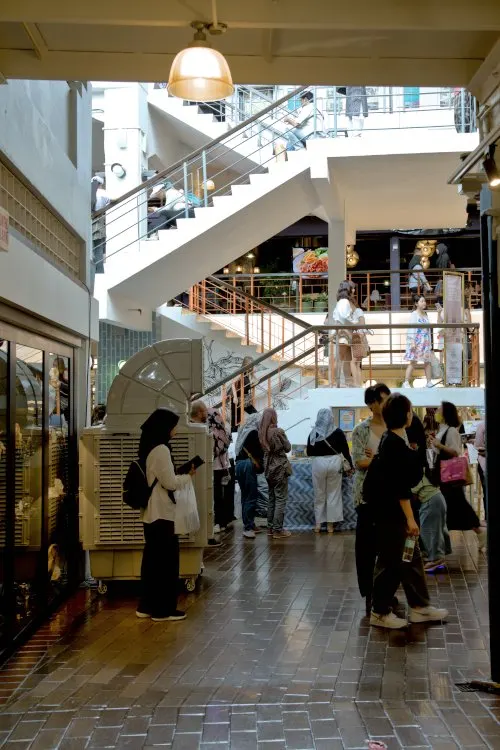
418	342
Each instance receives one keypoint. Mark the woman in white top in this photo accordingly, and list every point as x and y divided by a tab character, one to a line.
448	444
160	558
417	282
347	313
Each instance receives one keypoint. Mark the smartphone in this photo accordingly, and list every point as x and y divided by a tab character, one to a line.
197	461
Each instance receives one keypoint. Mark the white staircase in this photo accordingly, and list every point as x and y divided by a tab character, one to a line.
248	216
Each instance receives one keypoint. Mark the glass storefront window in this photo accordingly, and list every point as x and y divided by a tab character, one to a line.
29	588
3	476
60	513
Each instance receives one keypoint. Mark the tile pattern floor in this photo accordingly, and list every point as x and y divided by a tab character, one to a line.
275	654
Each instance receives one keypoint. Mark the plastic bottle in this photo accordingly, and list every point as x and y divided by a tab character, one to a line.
409	549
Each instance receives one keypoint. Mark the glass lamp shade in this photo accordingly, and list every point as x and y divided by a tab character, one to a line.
352	259
425	263
200	74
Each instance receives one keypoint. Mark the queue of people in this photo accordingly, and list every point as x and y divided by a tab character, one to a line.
405	504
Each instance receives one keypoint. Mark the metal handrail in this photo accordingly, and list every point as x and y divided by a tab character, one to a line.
197	152
257	302
321	329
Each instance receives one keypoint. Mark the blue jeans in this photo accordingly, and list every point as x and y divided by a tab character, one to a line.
294	139
433	529
247	479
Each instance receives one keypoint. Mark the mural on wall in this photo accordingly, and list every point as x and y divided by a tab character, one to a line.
219	362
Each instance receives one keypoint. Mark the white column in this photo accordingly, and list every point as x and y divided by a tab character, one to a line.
125	132
336	260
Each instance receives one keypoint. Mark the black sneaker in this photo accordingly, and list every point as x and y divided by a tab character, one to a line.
214	543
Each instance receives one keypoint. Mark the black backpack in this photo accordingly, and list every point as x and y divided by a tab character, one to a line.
136	490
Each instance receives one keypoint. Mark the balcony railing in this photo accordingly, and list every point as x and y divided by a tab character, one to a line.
382	290
316	358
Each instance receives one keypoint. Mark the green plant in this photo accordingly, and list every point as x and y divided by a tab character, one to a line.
307	302
321	302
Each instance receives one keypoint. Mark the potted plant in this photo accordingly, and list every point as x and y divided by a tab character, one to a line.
321	302
307	303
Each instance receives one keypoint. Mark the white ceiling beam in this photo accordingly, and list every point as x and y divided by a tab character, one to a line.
311	70
428	15
487	77
268	45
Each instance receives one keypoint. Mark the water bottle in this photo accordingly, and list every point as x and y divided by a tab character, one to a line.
409	549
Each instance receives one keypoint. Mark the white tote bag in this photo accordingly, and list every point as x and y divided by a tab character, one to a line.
187	520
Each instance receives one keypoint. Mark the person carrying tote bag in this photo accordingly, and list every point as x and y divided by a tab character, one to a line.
447	445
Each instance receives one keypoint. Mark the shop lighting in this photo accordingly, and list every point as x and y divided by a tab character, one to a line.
239	269
256	269
491	169
200	73
225	270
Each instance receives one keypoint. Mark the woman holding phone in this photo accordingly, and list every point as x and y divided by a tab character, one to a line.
160	558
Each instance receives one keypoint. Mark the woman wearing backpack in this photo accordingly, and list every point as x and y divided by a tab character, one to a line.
330	452
160	558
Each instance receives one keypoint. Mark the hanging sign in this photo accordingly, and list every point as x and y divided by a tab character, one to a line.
4	230
454	338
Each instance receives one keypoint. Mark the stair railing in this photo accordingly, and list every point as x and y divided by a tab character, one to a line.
255	323
192	183
319	361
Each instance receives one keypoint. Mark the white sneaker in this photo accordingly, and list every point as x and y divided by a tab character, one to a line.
428	614
249	534
216	529
406	384
482	538
390	621
430	384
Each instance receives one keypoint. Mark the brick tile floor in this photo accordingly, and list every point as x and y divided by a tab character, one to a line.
275	654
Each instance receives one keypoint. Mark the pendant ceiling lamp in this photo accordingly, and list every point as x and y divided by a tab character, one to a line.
200	73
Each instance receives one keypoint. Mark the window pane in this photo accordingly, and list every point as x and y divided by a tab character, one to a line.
60	515
28	578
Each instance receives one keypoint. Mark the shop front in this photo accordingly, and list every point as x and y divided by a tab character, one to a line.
39	547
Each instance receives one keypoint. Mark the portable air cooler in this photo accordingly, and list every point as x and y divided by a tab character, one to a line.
166	374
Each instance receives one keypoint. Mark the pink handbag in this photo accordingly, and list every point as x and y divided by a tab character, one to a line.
456	471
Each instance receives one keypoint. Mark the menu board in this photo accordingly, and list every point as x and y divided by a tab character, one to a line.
454	338
347	419
310	261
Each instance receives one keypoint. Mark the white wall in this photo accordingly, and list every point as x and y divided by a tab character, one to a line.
45	129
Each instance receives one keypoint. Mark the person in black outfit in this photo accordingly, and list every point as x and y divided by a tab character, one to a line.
249	463
399	469
416	437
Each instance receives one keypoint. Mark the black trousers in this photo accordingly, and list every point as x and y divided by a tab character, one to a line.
483	485
365	550
223	497
159	569
391	571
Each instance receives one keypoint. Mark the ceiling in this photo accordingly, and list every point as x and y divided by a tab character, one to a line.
389	42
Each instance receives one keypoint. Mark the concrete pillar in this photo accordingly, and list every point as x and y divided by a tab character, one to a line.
395	264
336	260
490	251
125	132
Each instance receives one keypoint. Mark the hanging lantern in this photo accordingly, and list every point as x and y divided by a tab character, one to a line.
425	263
200	73
352	257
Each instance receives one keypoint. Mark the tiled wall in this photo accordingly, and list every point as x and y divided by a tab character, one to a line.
117	344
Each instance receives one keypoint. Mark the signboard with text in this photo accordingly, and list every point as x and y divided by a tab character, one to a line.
454	338
4	230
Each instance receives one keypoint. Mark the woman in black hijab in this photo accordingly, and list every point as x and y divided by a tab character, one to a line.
160	559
